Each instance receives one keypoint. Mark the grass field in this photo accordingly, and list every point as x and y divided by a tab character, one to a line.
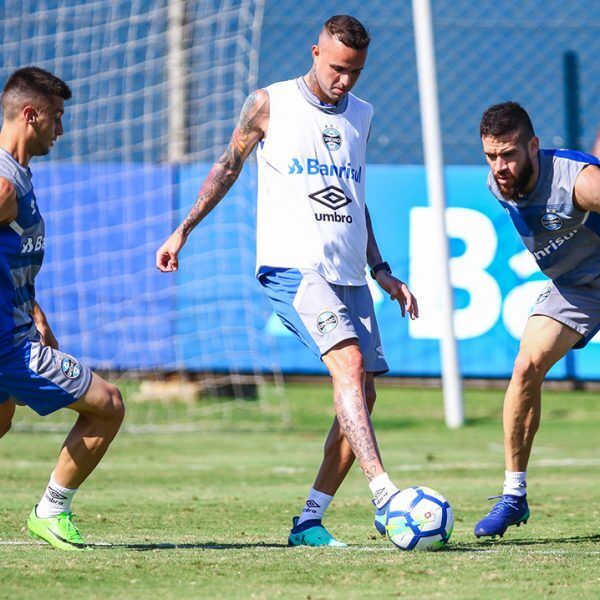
206	514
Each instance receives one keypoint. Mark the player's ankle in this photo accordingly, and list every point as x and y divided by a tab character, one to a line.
515	483
315	506
382	489
55	500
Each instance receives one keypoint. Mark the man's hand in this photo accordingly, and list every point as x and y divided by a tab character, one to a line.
166	255
399	291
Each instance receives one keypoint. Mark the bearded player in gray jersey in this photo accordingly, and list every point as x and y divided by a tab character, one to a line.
553	199
313	245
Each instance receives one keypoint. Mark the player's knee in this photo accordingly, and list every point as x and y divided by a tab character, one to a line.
529	369
117	405
355	366
113	407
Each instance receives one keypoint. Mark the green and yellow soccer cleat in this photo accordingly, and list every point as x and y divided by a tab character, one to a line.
59	531
312	533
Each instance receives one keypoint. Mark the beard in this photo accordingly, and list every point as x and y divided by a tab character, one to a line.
515	187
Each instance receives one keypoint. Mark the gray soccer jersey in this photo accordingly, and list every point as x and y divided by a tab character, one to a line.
564	240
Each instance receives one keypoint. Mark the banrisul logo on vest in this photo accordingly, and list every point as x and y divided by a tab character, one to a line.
314	167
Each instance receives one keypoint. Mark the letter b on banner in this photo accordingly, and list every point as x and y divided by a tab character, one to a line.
467	272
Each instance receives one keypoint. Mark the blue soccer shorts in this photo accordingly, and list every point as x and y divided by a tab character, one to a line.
42	378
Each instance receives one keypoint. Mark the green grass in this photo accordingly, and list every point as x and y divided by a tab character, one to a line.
206	514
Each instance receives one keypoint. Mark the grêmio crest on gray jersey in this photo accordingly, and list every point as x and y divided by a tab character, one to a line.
564	240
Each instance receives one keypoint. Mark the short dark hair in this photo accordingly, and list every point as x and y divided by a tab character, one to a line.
504	119
28	83
350	31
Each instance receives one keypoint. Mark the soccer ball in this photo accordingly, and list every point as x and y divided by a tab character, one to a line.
419	518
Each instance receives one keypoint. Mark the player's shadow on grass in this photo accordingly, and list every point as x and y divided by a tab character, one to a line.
502	542
187	546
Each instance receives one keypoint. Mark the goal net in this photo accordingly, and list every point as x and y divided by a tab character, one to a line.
157	88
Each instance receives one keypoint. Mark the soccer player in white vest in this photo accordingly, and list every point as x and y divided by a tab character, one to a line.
33	371
314	240
553	199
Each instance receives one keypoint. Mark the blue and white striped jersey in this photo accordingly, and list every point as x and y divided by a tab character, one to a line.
21	256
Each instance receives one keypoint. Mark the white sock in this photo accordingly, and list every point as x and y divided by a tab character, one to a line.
315	506
514	483
382	489
56	499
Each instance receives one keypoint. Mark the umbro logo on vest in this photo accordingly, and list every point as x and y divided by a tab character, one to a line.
331	196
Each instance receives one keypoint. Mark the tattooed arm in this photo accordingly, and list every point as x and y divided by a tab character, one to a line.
251	128
397	289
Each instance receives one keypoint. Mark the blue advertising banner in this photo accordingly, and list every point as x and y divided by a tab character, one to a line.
496	281
98	285
113	309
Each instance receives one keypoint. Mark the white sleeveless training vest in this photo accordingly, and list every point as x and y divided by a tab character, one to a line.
311	187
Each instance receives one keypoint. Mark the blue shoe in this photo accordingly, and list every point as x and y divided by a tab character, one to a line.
381	515
312	533
509	510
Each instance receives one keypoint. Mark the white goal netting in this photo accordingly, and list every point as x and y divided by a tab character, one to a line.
157	88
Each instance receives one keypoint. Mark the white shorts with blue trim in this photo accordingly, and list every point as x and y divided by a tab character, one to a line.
323	314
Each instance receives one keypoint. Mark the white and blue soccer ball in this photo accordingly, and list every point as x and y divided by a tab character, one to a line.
419	518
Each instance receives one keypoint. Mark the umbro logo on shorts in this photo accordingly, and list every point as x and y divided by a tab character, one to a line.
545	293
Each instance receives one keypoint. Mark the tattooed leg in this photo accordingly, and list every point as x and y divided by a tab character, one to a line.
337	455
345	364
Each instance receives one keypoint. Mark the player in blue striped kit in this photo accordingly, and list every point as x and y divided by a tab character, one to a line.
33	371
553	199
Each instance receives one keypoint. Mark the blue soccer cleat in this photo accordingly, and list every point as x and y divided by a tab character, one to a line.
312	533
509	510
381	516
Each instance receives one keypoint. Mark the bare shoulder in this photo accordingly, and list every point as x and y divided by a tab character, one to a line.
587	188
255	112
8	201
